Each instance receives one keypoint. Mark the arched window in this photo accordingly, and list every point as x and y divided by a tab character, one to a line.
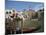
9	12
6	12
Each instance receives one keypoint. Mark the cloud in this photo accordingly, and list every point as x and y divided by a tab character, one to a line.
39	6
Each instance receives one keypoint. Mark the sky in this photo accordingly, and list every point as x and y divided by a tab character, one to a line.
20	5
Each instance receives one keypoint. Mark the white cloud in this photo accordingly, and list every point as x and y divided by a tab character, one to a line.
37	7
